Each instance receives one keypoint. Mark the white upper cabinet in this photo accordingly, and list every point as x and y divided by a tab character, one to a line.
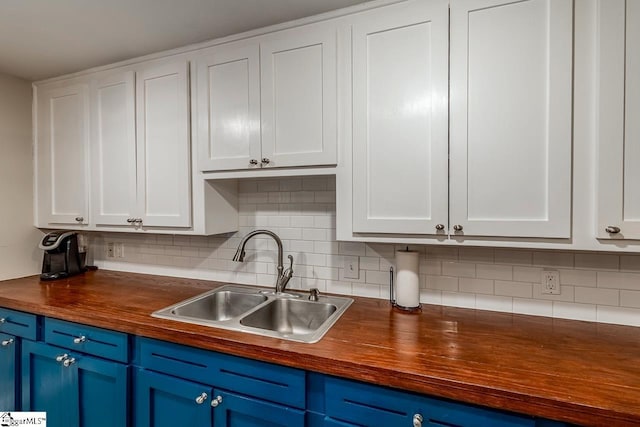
400	102
163	145
228	104
618	104
510	118
268	101
113	149
299	96
62	134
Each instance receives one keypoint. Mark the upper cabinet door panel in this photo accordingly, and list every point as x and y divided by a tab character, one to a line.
63	135
619	119
400	100
113	145
163	145
299	96
510	124
228	102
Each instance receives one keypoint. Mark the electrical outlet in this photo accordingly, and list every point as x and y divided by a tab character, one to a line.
119	250
111	251
551	282
351	266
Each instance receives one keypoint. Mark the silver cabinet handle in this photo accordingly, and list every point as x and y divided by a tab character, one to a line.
440	227
79	340
612	229
417	420
200	399
131	220
8	342
79	218
215	402
265	161
138	221
68	362
62	357
2	320
253	162
457	227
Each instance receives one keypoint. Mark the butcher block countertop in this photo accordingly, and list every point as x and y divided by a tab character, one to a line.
580	372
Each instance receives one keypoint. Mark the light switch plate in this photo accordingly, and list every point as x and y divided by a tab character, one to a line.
351	266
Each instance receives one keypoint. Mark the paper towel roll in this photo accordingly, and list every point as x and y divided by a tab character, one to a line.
407	279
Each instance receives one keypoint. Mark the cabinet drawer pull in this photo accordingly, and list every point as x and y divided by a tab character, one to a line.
417	420
79	340
62	357
138	221
265	161
215	402
68	362
2	320
253	162
457	227
8	342
131	220
200	399
440	227
79	218
612	229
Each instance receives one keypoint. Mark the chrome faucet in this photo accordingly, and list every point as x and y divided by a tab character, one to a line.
283	275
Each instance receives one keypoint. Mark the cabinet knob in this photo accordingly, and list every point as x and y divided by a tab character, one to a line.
612	229
457	227
138	221
200	399
417	420
79	218
253	162
79	340
215	402
265	161
440	227
8	342
68	362
62	357
131	220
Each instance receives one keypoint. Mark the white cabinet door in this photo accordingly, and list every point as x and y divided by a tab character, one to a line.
619	120
228	107
510	118
163	147
400	101
113	149
299	96
61	155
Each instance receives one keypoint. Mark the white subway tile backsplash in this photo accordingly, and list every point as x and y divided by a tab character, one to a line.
595	286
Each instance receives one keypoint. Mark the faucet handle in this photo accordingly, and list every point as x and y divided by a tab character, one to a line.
313	294
290	262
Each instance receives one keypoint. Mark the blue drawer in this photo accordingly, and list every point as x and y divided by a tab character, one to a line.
87	339
18	323
266	381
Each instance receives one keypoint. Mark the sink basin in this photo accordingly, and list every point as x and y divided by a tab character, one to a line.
222	305
289	316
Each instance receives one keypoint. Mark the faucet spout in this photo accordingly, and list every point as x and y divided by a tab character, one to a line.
283	275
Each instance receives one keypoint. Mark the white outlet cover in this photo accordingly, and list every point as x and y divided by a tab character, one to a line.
550	281
351	265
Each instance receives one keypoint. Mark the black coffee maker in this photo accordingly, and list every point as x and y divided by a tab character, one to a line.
62	257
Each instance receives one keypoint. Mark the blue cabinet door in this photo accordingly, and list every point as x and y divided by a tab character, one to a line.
84	392
47	385
233	410
8	368
164	401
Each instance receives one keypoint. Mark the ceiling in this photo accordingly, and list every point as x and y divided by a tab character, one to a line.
47	38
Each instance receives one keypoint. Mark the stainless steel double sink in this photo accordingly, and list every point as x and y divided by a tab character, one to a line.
288	316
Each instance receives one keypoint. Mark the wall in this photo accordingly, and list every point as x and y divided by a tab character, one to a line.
19	253
595	286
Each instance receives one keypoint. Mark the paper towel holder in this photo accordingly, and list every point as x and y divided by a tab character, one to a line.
393	301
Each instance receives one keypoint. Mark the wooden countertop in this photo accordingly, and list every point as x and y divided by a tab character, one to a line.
580	372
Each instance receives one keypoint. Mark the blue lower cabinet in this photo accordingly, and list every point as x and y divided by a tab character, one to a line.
233	410
9	345
73	389
165	401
